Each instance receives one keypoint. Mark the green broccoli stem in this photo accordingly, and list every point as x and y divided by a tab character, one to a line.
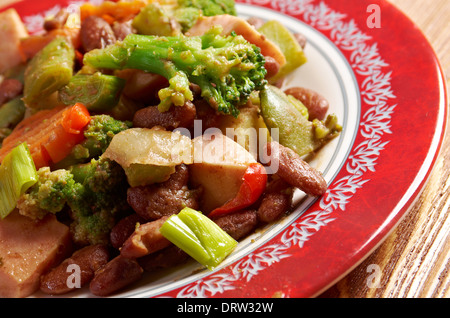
227	68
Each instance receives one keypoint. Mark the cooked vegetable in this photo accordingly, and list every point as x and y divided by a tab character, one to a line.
113	11
95	192
221	162
50	134
11	113
227	69
248	129
149	155
293	52
199	237
48	195
253	185
154	20
210	7
149	147
295	130
235	25
17	174
48	71
98	92
186	17
98	135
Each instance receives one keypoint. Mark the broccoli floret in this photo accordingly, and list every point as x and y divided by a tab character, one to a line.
98	133
94	193
210	7
48	194
226	68
97	200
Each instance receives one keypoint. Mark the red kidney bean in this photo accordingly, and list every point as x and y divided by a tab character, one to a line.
88	259
115	275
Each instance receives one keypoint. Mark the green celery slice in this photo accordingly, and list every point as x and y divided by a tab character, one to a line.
198	236
17	174
182	236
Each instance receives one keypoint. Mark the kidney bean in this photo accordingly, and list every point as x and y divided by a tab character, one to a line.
276	201
273	206
317	104
115	275
238	224
164	199
295	171
165	258
124	228
272	66
175	117
89	259
96	33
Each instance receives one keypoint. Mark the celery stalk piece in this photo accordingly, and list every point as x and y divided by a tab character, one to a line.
98	92
12	112
17	174
48	71
198	236
182	236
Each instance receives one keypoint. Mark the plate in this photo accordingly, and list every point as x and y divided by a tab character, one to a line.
385	83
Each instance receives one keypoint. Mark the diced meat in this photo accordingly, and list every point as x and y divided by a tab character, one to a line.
170	197
12	30
146	239
29	248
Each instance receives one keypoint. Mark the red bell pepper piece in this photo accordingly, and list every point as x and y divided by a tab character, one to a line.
253	185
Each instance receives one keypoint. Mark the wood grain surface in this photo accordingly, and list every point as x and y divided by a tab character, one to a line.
414	260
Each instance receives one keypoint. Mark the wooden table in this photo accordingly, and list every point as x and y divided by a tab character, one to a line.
415	258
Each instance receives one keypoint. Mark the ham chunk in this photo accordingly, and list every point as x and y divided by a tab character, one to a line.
12	30
29	248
